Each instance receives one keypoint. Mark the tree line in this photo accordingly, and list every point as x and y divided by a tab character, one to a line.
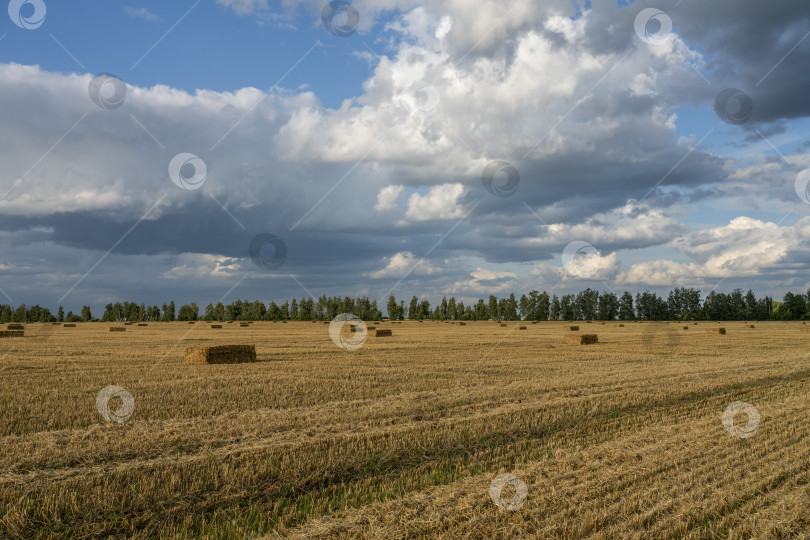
680	304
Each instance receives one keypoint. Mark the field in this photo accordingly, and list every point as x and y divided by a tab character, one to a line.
409	435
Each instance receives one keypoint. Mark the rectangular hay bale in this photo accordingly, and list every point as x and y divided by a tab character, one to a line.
383	332
521	328
721	331
68	325
13	326
12	333
215	326
143	324
573	328
221	354
116	329
581	339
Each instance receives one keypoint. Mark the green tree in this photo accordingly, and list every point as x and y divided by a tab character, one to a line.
587	302
608	306
626	309
392	307
794	305
568	307
494	310
555	309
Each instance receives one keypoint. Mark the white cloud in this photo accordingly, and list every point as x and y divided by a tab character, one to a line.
627	224
140	13
440	202
401	264
244	7
201	266
554	273
388	198
745	247
485	281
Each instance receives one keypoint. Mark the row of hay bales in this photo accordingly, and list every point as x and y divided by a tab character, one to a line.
13	330
235	354
590	339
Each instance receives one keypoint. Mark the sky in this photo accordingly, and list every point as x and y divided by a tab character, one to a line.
212	150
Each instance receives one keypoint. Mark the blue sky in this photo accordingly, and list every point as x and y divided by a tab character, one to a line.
210	48
367	159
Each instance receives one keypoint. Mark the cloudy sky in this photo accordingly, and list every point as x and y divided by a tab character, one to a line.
452	147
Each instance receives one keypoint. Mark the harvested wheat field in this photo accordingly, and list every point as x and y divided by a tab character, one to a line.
443	431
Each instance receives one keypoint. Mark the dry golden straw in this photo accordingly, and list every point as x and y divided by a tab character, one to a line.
221	354
721	331
582	339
